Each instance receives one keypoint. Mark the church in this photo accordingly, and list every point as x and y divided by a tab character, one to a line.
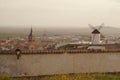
30	44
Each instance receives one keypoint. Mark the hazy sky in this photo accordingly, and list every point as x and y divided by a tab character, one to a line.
76	13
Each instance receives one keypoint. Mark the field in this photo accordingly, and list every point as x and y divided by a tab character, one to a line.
94	76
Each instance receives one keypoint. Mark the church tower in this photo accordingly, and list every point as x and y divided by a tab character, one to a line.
30	36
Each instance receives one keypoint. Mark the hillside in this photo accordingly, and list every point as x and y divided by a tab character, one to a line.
61	31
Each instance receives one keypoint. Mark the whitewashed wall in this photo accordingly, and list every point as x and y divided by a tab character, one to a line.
48	64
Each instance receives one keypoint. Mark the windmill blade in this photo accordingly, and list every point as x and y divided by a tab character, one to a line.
101	26
91	26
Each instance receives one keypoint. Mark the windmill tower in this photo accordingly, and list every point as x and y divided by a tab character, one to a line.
96	34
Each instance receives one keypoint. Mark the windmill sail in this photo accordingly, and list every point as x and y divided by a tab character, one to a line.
96	35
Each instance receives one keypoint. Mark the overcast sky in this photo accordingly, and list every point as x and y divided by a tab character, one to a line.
64	13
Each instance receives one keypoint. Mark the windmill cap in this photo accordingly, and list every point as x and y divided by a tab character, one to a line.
96	32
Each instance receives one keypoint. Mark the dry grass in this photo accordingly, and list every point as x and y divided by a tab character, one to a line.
95	76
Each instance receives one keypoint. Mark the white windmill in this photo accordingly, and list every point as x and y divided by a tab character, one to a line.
96	34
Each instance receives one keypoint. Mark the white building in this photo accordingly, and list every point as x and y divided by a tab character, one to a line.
95	37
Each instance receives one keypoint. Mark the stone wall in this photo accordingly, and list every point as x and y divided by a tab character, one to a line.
48	64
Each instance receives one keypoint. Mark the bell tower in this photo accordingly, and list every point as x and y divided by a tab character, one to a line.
30	36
